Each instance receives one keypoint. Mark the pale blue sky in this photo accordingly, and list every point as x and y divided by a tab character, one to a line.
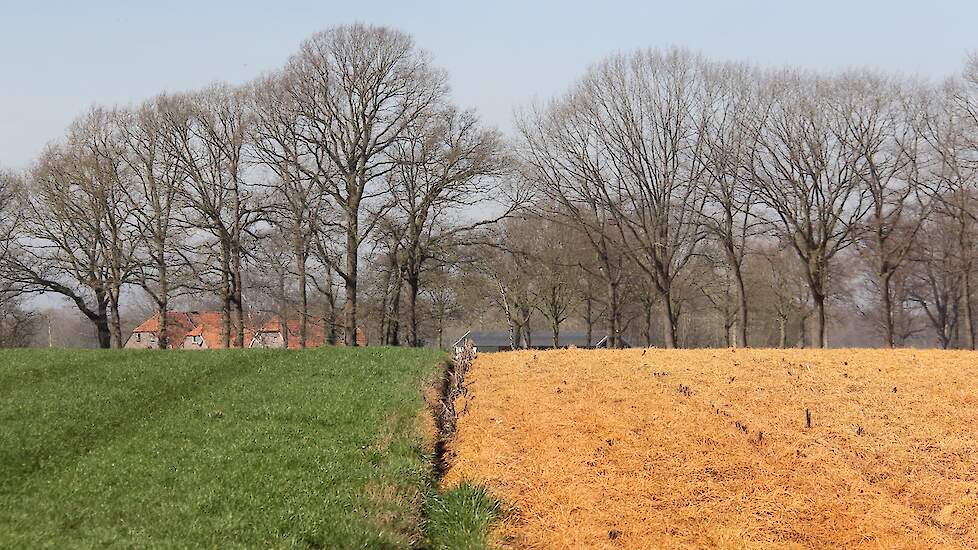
58	58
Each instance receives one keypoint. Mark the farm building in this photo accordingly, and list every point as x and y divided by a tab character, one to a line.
146	335
204	330
208	333
273	334
489	341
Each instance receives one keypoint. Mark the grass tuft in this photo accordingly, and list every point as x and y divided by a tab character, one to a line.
459	519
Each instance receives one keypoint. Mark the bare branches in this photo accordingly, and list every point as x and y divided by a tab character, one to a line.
807	177
75	235
719	203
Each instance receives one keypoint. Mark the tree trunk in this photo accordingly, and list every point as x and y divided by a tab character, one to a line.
226	322
818	338
350	282
329	325
969	328
885	283
668	321
303	297
515	335
647	326
588	319
802	331
742	318
163	299
944	332
238	301
782	332
504	300
162	339
226	292
613	313
101	320
103	334
329	312
115	320
441	324
385	309
283	326
393	337
413	288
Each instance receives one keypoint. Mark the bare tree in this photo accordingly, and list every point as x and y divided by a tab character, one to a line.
273	279
16	325
446	166
560	156
326	287
99	144
391	238
508	267
553	271
730	213
298	204
153	183
357	89
650	110
883	129
785	291
10	218
628	140
718	283
209	131
807	178
935	283
63	246
953	134
442	294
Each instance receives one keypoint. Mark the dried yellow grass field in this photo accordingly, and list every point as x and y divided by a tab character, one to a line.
710	448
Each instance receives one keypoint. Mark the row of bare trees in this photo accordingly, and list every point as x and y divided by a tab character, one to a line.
667	163
290	175
671	198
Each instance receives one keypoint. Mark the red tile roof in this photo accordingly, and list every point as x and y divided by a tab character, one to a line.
209	326
178	323
315	335
181	324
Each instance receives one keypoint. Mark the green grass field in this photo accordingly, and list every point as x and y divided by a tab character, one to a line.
233	448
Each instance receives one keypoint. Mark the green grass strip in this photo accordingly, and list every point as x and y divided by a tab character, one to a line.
460	518
221	449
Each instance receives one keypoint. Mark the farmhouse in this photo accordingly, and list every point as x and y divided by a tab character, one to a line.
489	341
204	330
274	332
208	332
146	335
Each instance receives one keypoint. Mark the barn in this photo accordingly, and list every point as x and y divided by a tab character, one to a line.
274	332
490	341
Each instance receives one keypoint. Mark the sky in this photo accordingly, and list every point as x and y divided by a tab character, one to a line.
59	58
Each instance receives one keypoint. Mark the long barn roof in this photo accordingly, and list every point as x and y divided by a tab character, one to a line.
500	338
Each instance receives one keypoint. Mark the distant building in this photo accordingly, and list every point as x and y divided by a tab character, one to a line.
489	341
273	334
205	330
146	335
208	332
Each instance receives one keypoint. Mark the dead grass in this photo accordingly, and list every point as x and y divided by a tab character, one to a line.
694	448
